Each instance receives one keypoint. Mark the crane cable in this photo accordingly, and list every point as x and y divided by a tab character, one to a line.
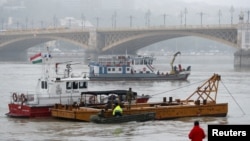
233	98
177	88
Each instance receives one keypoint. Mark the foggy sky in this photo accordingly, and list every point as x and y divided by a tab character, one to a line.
155	3
44	11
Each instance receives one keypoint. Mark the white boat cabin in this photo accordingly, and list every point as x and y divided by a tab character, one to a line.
122	64
58	88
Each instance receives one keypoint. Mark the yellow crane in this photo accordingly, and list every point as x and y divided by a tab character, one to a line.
172	62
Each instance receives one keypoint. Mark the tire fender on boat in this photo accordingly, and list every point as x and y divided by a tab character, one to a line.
23	98
144	69
14	96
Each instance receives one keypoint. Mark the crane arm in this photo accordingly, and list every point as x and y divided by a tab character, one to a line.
172	62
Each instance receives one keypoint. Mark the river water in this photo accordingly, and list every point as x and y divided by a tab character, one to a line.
234	89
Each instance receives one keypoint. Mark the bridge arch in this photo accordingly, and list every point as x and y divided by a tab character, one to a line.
16	49
134	42
38	40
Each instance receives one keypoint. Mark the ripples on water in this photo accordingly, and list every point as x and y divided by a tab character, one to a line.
236	93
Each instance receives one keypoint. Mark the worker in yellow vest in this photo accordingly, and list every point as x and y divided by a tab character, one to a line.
117	110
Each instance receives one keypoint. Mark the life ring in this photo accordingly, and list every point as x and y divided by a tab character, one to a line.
14	96
23	98
144	69
92	99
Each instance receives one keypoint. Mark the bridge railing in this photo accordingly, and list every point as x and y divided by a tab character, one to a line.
45	30
162	27
179	27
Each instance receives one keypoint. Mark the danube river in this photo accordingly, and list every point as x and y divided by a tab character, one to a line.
234	89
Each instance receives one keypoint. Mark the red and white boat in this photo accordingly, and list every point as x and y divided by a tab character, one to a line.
57	85
54	86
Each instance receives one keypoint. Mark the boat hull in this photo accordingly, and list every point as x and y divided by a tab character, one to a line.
142	100
138	77
18	110
44	110
125	118
162	112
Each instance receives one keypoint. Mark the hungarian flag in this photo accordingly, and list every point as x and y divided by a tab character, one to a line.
37	58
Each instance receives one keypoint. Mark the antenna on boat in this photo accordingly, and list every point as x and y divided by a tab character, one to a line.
56	65
47	55
46	61
69	68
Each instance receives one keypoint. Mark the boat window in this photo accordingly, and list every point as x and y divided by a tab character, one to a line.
82	85
44	84
120	69
75	85
247	37
141	63
68	85
109	69
113	69
85	84
137	62
128	69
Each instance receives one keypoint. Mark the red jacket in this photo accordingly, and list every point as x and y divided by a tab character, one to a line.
197	134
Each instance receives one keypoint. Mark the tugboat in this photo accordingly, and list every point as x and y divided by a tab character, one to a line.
52	87
129	67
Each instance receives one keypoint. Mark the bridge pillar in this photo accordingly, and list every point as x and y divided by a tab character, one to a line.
92	39
92	51
242	56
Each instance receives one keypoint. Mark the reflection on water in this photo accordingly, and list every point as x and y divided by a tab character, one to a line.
234	90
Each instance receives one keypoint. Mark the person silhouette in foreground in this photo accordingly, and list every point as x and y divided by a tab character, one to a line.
117	110
196	133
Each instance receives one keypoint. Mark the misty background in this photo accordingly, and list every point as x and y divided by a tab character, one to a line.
31	14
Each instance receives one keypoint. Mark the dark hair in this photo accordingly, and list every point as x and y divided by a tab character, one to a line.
196	122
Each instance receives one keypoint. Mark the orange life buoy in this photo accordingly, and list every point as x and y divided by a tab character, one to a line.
92	99
23	98
144	69
14	96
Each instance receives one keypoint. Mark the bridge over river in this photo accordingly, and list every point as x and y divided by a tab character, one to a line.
14	43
